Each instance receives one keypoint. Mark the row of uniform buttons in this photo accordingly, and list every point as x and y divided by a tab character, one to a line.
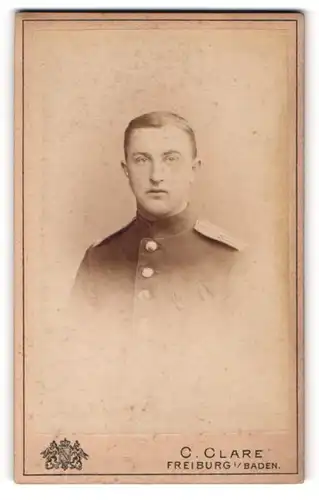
147	272
150	246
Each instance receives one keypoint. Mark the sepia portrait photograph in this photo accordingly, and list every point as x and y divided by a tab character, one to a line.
158	247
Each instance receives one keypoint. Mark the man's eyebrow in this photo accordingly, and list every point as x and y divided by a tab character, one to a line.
137	153
171	151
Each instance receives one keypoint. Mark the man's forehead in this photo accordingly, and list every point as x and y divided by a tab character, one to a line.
168	135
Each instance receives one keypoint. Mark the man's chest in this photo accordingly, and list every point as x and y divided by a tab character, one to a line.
173	286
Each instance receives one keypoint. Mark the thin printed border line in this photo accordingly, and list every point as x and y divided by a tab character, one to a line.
169	474
23	255
160	19
297	274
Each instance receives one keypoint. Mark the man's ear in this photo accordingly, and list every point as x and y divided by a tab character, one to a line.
195	166
197	163
124	167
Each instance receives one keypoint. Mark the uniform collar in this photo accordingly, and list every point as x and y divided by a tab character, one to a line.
168	226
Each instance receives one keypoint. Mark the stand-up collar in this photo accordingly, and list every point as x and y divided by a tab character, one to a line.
168	226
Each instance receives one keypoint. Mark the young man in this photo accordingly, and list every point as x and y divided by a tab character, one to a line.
165	255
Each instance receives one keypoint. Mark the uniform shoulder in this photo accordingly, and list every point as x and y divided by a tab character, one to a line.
216	233
113	236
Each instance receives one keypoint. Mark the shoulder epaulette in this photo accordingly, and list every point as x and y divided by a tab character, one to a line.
111	236
206	228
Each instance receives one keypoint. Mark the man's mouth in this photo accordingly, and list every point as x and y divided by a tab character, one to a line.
156	191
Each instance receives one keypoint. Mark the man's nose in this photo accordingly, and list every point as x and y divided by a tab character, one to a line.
157	171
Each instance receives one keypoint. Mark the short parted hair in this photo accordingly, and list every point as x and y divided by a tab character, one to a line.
157	119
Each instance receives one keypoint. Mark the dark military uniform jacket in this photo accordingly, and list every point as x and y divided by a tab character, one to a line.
169	266
155	302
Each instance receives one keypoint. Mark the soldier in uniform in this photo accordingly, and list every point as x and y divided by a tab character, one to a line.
159	290
165	250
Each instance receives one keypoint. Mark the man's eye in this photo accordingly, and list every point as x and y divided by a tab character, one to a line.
171	158
140	159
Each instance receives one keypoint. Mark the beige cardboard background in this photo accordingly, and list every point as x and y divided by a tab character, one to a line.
236	85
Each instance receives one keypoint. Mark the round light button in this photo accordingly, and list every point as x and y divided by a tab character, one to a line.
147	272
151	246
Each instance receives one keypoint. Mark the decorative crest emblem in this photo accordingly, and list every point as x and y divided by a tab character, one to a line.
64	455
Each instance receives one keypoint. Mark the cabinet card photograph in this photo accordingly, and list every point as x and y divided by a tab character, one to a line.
158	247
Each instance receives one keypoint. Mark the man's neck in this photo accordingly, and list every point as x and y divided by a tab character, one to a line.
151	217
170	225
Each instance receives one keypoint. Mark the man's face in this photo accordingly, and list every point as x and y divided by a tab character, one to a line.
160	167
